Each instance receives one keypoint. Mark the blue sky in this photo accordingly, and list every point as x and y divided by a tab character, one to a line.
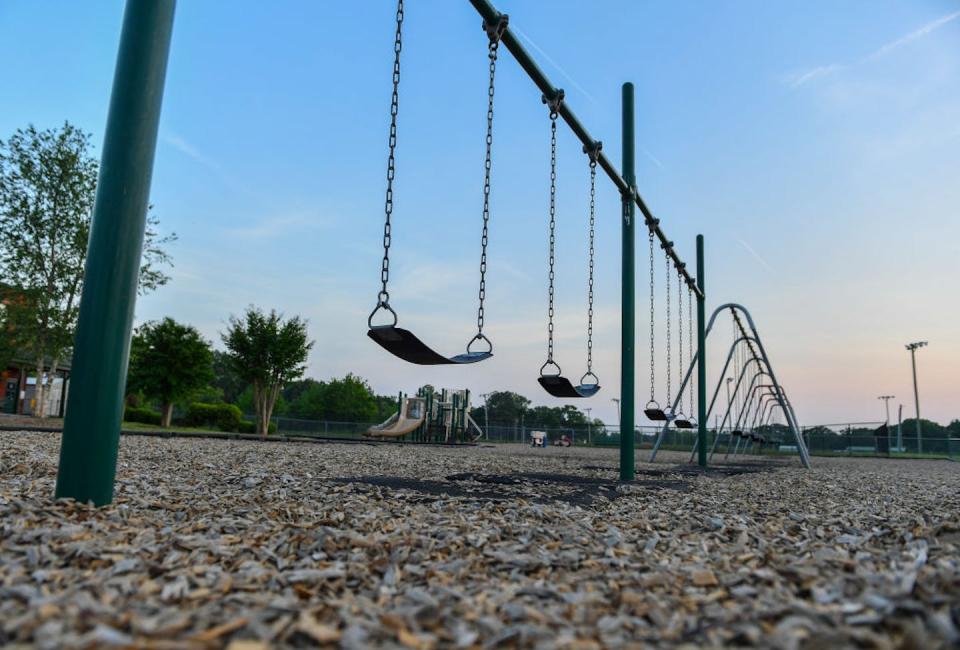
816	145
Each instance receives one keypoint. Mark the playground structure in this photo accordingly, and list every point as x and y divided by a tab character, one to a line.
431	416
89	446
750	405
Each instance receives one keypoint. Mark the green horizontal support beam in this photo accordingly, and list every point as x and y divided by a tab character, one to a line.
490	14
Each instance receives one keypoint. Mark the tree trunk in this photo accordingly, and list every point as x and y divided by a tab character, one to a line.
258	407
38	393
49	389
167	415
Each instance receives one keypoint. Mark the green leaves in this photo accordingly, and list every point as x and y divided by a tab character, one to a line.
265	348
267	352
349	399
169	362
48	182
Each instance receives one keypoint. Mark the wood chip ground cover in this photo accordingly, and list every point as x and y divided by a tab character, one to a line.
214	543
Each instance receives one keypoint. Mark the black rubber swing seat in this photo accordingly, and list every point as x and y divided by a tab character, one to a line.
655	413
562	387
405	345
683	423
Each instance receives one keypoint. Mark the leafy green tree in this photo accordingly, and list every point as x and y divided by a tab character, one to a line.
246	404
267	352
295	389
504	407
169	362
47	188
349	399
225	378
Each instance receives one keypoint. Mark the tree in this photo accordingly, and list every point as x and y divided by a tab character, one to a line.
169	362
47	189
348	400
267	352
225	377
504	407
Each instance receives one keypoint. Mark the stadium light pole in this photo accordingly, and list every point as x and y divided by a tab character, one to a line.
486	413
886	404
589	436
900	428
913	347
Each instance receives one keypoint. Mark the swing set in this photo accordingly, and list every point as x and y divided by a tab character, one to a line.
88	452
406	345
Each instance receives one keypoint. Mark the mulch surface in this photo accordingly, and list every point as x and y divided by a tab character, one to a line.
244	545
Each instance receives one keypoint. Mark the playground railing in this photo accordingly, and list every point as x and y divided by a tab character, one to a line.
852	439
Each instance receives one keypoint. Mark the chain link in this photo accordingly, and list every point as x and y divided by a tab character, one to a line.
383	297
494	32
669	363
679	335
553	225
652	350
593	203
690	340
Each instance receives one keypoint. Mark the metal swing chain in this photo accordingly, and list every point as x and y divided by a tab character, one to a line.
494	32
679	334
383	297
669	363
690	341
553	219
652	350
593	153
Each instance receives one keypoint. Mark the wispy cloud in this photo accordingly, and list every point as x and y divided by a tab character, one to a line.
916	34
756	255
653	159
185	147
180	144
277	225
797	79
562	72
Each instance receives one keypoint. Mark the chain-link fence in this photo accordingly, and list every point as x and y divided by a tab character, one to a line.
846	439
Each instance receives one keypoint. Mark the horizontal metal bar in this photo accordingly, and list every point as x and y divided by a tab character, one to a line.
490	14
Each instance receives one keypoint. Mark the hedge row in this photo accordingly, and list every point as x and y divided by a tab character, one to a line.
222	417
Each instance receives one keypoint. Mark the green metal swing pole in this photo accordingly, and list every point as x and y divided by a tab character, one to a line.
627	293
701	360
91	431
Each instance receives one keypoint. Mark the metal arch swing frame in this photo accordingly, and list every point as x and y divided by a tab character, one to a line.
760	357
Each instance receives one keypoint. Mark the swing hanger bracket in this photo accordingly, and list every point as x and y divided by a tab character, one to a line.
496	28
667	245
593	151
554	103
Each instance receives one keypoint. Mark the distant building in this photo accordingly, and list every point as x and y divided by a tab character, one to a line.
18	381
18	388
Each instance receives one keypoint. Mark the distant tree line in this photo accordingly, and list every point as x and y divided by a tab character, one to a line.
176	377
506	408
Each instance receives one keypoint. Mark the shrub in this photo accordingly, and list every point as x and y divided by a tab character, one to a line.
225	417
141	415
249	426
